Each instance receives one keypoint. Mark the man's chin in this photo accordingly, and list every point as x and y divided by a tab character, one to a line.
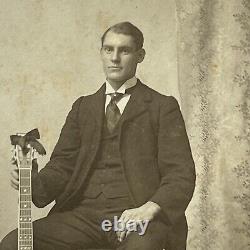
115	78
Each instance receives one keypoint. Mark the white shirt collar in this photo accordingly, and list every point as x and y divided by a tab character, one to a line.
128	84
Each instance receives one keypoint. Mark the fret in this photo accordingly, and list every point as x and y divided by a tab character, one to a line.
25	225
25	242
25	165
25	212
25	237
26	247
25	197
24	182
25	218
24	205
25	190
23	231
25	173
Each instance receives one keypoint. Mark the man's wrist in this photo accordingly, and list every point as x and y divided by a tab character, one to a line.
154	207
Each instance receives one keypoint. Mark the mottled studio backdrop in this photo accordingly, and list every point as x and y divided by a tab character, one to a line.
197	50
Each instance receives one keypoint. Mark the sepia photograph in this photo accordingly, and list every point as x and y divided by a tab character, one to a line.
125	125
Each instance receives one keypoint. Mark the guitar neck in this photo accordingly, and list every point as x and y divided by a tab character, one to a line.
25	148
25	232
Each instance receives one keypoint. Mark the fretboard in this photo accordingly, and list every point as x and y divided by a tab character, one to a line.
25	234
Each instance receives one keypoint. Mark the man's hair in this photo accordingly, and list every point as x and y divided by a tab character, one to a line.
126	28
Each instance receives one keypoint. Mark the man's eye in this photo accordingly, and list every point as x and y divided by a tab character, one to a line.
125	51
107	50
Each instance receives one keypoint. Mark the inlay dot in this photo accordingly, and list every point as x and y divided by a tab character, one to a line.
25	205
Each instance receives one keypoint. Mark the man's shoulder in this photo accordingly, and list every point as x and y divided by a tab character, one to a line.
160	98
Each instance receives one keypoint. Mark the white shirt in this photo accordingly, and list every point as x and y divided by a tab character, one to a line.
121	104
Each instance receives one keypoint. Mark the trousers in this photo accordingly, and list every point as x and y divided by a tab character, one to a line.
81	228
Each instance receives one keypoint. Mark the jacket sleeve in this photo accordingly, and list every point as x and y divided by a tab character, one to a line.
52	179
175	163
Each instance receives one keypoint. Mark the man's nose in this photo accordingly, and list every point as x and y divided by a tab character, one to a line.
115	56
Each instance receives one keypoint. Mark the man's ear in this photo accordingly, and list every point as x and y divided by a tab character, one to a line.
141	54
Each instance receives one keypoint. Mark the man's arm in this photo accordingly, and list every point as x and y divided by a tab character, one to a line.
175	163
52	179
176	168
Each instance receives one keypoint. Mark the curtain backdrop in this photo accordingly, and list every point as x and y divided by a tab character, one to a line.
214	85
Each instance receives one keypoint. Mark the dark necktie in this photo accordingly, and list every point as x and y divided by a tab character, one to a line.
113	113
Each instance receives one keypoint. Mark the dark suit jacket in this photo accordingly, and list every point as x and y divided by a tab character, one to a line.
154	148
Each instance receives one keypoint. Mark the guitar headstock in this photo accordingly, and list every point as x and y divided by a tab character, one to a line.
27	154
26	146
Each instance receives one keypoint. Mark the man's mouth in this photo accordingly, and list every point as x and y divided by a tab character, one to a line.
115	67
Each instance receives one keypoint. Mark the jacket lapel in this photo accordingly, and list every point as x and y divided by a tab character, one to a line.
97	102
137	104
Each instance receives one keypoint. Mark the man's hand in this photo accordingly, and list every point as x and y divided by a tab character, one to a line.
144	213
14	180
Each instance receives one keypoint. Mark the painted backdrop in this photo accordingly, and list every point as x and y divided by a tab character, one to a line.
49	56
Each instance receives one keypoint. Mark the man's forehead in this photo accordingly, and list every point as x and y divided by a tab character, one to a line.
118	40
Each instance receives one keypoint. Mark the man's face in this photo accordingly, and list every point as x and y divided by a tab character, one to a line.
120	57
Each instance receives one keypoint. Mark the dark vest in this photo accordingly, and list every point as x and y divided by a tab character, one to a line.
107	175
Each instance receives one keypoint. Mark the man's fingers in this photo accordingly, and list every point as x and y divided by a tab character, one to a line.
118	234
14	181
127	233
125	217
15	175
122	235
15	186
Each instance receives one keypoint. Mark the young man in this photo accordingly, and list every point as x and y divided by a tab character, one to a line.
123	153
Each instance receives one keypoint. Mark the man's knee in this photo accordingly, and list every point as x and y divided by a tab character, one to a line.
142	244
154	238
9	242
136	242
